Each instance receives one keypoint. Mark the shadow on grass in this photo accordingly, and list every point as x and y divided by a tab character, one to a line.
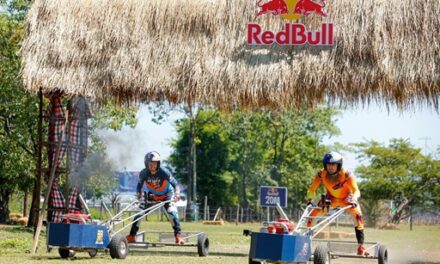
184	253
17	229
75	258
424	262
140	253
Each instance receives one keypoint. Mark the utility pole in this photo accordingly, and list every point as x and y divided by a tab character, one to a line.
192	164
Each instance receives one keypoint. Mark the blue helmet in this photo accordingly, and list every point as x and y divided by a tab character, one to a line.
333	157
152	156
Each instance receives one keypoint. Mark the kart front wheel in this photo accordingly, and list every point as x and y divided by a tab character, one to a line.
382	255
118	247
321	255
202	245
66	253
93	253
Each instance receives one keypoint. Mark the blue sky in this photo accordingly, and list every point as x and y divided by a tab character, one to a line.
376	123
127	147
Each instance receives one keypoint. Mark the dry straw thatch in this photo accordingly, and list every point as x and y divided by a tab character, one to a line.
194	50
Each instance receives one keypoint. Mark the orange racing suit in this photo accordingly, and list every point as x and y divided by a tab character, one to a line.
337	191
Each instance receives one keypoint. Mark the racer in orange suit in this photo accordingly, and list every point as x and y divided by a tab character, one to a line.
342	190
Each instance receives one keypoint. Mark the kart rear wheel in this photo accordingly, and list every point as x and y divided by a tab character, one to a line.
255	262
118	247
202	245
93	253
321	255
66	253
383	255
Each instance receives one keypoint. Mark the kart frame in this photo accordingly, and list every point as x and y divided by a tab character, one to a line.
148	208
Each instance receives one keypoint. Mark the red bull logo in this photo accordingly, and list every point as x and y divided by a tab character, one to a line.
293	33
275	7
273	191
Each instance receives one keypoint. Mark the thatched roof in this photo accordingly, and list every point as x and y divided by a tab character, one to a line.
194	50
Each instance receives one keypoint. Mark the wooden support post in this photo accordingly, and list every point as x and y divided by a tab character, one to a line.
217	213
208	214
238	214
204	209
49	188
268	214
229	218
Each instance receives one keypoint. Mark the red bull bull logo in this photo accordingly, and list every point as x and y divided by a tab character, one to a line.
293	33
273	191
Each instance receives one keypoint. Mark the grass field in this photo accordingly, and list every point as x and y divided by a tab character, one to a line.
227	245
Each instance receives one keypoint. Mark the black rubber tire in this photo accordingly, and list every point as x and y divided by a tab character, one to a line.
253	262
202	245
382	256
66	253
321	255
118	247
93	252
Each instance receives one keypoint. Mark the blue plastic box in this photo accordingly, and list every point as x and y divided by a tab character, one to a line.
280	247
77	235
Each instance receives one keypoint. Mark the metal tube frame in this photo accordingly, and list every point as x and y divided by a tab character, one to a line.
327	221
315	230
144	213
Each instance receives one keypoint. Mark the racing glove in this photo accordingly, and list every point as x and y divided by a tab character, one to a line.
177	196
350	200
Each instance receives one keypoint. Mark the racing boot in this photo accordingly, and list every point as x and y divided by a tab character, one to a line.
360	239
362	252
131	239
179	239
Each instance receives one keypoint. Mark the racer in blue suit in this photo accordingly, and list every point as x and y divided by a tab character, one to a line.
161	186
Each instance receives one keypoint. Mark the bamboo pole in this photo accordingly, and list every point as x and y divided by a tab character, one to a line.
49	188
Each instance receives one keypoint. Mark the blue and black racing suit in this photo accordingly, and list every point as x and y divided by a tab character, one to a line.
161	186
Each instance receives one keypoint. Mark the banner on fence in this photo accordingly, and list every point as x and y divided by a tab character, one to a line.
270	196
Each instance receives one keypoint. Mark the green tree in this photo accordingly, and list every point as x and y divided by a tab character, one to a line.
247	149
398	167
19	115
247	131
282	148
18	110
212	155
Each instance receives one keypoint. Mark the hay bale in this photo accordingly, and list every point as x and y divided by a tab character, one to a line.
22	221
13	217
389	226
341	235
218	222
323	235
334	235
